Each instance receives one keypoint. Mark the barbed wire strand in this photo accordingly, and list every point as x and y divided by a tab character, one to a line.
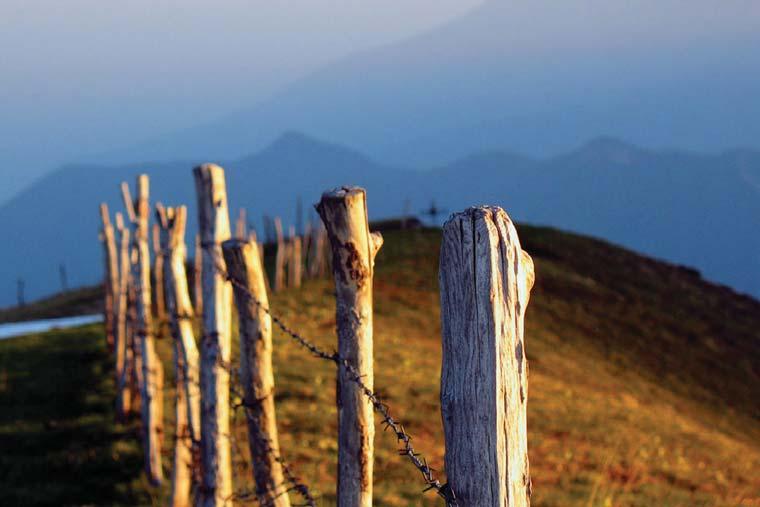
402	437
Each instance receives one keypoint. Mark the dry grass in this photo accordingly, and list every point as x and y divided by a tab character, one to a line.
643	386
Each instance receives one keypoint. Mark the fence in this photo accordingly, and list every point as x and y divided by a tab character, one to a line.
485	281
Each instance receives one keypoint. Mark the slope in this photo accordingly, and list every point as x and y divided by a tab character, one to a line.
643	387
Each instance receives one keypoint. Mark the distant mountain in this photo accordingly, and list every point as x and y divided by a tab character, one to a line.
698	210
539	77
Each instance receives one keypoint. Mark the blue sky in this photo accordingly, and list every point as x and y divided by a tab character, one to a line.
85	76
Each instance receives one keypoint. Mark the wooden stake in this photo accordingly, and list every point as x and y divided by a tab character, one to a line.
241	227
253	238
180	310
344	213
152	369
485	281
281	257
158	278
306	248
294	259
121	346
318	267
198	276
244	265
214	223
110	277
134	354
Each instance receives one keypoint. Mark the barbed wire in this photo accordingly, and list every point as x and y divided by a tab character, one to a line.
264	446
402	437
352	374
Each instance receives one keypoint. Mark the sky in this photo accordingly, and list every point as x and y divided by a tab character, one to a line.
86	76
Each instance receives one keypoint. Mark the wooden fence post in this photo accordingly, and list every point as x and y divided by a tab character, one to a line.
256	377
280	257
198	276
344	213
121	348
241	226
159	291
318	262
214	223
152	395
134	364
485	279
110	276
294	260
180	311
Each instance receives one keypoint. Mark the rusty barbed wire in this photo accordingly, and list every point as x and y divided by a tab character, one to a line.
264	446
263	443
402	437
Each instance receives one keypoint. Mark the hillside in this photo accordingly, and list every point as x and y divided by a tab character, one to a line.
644	383
701	210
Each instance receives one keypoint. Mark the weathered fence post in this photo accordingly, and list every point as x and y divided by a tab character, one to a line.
280	257
152	395
241	226
133	345
294	261
244	265
110	277
158	287
318	265
344	213
180	311
485	281
306	248
121	348
214	223
198	276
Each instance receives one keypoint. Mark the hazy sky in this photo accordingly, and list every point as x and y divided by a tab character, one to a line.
85	76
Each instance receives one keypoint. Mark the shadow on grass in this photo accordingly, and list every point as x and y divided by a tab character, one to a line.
58	442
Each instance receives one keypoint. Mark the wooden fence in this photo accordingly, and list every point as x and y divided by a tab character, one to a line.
485	282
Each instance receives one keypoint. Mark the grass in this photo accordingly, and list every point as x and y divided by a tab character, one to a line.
644	388
81	301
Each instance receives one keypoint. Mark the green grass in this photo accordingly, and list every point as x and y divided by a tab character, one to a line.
84	300
644	388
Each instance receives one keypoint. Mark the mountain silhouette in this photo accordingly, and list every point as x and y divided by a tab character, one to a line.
693	209
538	77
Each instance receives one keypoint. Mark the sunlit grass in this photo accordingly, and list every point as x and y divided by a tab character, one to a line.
641	389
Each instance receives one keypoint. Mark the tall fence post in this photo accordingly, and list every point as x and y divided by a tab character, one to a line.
133	344
121	346
256	377
294	262
110	277
344	213
280	257
180	312
198	276
317	260
152	395
485	281
241	226
214	223
159	291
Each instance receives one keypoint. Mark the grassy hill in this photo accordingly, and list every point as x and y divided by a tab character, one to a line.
644	388
80	301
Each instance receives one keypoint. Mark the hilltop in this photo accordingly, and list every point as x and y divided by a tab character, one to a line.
697	209
644	383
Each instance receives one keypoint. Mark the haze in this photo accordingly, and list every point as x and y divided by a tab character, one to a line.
84	76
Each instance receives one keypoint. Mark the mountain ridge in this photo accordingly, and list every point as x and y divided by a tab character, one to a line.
487	79
695	210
